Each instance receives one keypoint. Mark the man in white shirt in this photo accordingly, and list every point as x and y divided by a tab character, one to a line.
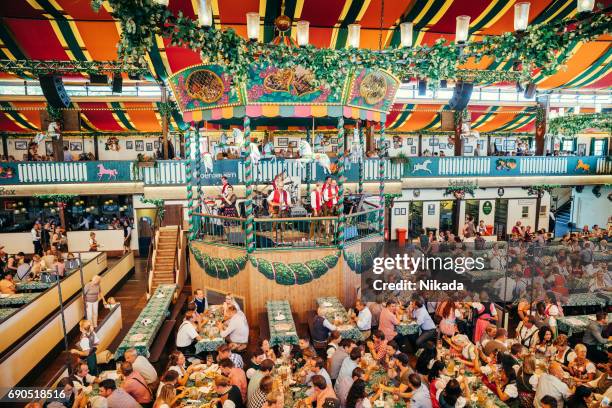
187	334
363	320
551	384
142	365
504	288
236	329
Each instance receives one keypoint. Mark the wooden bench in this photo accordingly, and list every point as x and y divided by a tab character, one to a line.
177	308
161	340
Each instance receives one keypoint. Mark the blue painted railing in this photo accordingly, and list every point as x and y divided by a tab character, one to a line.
172	172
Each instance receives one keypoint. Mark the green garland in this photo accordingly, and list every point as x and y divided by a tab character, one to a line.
543	46
389	198
540	189
295	273
359	262
58	198
218	267
55	114
570	125
460	191
158	203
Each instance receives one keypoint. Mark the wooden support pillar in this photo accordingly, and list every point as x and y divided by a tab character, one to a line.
540	126
420	145
457	137
96	151
5	146
164	100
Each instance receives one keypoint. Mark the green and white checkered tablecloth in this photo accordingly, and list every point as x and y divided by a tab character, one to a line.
282	326
584	299
145	328
575	324
18	299
210	333
34	285
334	310
6	312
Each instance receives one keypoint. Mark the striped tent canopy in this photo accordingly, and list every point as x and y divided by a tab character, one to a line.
24	116
71	30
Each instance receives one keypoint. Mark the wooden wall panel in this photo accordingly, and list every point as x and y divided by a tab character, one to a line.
257	289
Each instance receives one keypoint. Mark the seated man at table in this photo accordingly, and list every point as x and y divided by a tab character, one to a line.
527	332
388	320
497	344
187	335
341	353
316	366
378	346
426	324
81	377
134	384
142	366
320	391
363	320
236	329
321	327
200	301
224	351
116	398
7	286
236	376
349	364
593	338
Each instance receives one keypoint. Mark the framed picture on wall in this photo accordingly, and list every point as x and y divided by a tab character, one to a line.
468	149
431	209
413	150
433	141
156	144
21	145
581	149
129	145
149	147
442	145
282	142
409	141
139	145
76	146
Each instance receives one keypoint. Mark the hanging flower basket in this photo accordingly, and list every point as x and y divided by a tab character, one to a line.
459	191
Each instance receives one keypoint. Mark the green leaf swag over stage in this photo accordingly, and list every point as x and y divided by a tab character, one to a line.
217	267
294	273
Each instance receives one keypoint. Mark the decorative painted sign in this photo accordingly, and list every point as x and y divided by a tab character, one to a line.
373	90
487	207
203	87
288	86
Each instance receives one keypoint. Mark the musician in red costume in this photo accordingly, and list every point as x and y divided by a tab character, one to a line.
330	198
279	202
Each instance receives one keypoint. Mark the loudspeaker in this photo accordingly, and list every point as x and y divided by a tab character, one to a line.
98	79
117	83
530	91
422	87
461	95
54	91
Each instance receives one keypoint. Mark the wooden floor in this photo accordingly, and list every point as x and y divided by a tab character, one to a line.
132	296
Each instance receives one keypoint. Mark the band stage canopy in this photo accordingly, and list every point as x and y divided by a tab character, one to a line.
290	95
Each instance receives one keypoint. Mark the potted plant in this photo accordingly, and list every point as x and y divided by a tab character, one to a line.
400	158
